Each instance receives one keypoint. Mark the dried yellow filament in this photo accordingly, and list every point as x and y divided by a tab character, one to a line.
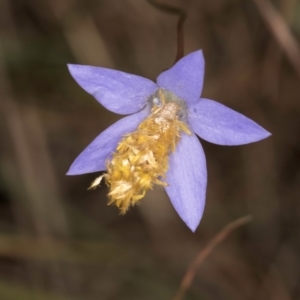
141	158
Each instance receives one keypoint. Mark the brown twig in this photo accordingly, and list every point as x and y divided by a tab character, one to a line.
203	254
180	33
281	32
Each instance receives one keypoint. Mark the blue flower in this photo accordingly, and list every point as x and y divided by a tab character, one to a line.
156	144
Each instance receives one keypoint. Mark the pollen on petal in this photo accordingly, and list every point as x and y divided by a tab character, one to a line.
141	158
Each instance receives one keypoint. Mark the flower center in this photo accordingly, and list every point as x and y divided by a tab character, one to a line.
141	158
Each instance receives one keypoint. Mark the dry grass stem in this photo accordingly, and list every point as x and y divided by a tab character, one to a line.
203	254
281	32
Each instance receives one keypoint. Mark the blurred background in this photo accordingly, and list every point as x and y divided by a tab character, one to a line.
59	241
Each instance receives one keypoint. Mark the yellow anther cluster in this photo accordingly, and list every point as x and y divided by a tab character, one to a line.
141	158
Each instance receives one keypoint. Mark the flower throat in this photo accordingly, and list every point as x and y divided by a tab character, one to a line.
141	159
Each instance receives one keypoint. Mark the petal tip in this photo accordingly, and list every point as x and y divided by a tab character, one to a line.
192	225
267	134
198	52
71	172
71	67
263	135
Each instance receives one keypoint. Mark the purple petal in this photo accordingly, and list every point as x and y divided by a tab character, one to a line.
185	78
218	124
119	92
94	156
187	179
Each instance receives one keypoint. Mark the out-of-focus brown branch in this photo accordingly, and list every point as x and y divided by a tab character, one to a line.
180	33
203	254
281	32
